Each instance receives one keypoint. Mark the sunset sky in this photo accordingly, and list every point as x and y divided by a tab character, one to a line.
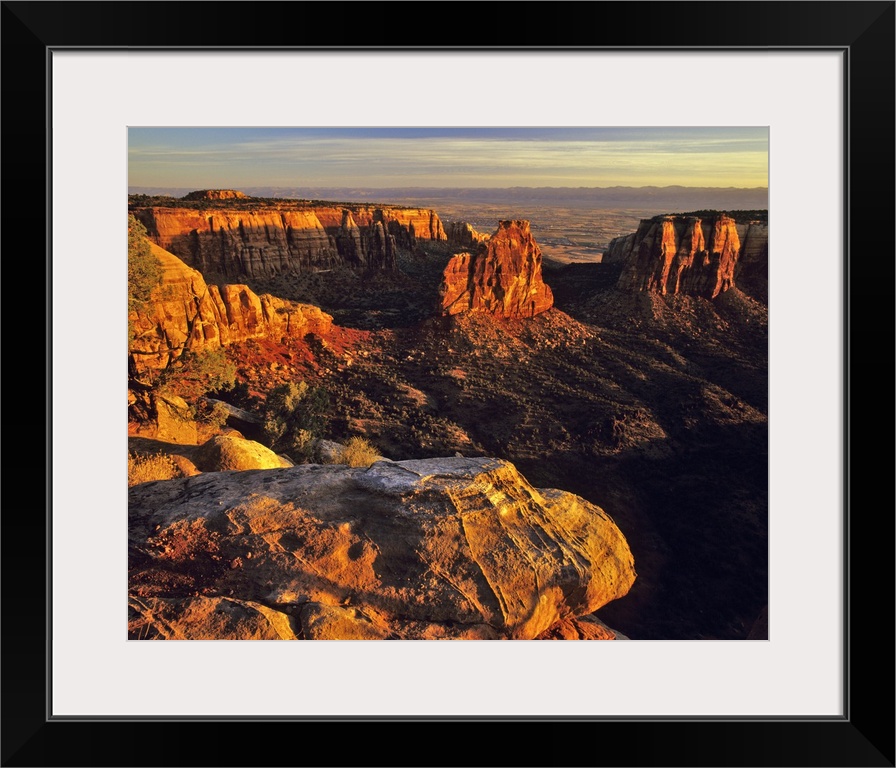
447	157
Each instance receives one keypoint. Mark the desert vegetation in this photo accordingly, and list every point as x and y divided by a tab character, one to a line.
294	415
194	374
143	468
357	452
144	270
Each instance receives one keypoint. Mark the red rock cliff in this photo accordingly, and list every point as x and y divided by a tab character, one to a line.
682	254
186	313
503	276
268	240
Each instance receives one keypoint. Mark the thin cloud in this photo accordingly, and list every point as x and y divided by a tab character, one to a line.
450	157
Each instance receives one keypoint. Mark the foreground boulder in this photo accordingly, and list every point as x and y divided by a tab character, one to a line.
458	548
223	453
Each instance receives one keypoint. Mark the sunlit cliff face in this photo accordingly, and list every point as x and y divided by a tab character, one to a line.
502	278
265	240
688	255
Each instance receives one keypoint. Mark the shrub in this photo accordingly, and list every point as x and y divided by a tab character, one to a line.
238	395
294	413
142	468
144	269
358	452
212	414
195	373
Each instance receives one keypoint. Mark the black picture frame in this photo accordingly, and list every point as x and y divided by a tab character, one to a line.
864	736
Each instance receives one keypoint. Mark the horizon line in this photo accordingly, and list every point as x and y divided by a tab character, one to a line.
358	188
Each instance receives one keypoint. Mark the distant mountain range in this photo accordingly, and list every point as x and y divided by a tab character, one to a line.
675	198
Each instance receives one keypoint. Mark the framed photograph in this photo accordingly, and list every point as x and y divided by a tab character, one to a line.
816	77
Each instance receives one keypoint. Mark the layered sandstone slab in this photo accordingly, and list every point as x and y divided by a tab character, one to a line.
680	254
454	548
502	277
266	240
185	313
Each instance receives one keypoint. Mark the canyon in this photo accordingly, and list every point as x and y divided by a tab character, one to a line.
636	383
267	240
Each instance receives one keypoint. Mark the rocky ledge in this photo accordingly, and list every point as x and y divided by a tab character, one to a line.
450	548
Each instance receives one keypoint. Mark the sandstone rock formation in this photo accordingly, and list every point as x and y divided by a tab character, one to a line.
619	248
186	313
682	254
582	628
455	548
268	240
223	453
751	272
173	419
205	618
461	234
502	277
215	194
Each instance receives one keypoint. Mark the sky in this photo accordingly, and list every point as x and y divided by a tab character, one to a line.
234	157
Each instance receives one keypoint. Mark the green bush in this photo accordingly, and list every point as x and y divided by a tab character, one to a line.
358	452
213	415
238	395
144	269
294	414
194	374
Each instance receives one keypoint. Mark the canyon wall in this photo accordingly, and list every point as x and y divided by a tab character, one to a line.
267	240
751	272
502	277
619	249
185	313
680	254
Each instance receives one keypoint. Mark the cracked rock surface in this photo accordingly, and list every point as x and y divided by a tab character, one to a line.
452	548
